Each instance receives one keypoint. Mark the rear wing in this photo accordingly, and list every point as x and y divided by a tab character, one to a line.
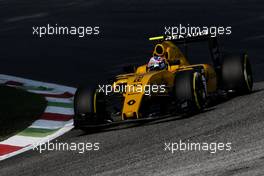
185	40
181	39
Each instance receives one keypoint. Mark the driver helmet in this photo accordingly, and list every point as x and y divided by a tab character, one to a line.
156	63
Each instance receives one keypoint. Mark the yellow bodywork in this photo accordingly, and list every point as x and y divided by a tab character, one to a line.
176	62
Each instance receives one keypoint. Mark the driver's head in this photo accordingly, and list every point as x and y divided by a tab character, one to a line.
156	63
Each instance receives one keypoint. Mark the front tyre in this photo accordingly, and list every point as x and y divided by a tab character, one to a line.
89	107
189	91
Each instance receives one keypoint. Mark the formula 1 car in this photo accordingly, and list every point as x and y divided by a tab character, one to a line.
180	87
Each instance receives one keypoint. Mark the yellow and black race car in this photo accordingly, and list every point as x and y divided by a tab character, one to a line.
176	87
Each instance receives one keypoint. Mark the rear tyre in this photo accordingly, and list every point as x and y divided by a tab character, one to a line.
190	92
237	74
89	107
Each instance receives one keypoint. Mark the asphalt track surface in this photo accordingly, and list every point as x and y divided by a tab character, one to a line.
126	25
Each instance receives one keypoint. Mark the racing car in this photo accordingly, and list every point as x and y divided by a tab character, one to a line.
179	87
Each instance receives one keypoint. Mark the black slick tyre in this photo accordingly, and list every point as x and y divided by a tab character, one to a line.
237	74
189	91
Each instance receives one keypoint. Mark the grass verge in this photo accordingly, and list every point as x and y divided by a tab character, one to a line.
18	109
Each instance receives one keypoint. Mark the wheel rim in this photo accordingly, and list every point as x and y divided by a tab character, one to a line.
247	73
198	91
94	101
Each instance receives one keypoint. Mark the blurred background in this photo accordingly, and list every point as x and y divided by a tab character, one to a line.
125	27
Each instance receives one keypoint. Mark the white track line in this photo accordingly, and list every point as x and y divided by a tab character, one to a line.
50	124
21	141
59	100
59	110
41	141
